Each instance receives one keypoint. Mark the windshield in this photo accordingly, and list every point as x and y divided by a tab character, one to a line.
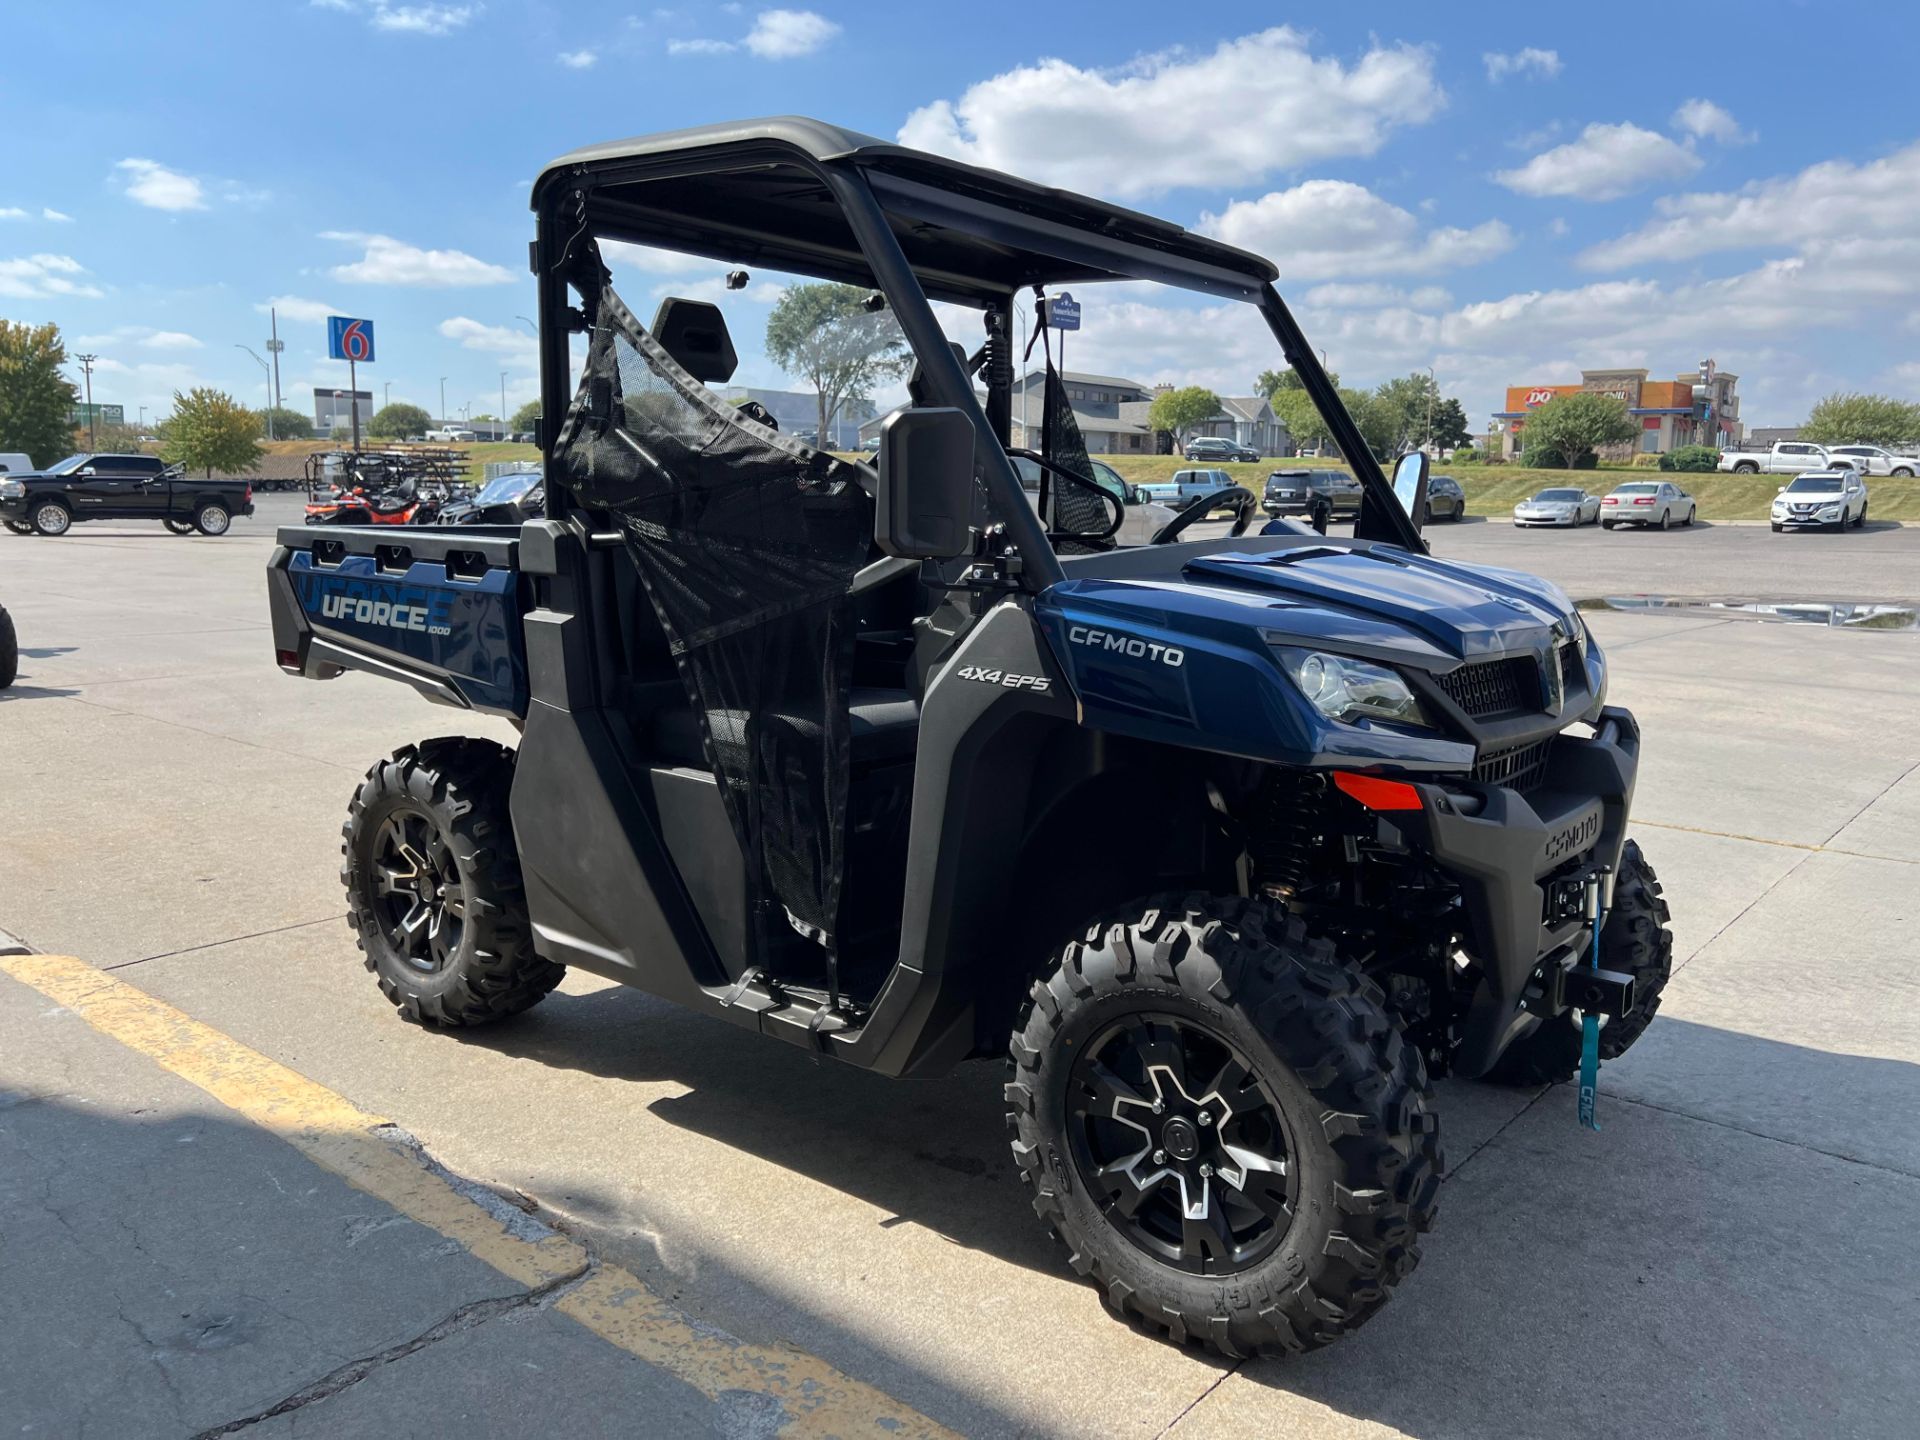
1814	482
503	489
68	465
1557	497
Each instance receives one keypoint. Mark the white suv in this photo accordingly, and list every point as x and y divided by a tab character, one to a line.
1821	499
1872	460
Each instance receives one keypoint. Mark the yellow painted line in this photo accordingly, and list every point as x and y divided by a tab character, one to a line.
337	1135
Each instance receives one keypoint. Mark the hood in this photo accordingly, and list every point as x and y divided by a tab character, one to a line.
1367	599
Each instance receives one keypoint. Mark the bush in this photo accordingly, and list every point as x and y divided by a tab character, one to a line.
1694	458
1466	455
1543	457
1650	462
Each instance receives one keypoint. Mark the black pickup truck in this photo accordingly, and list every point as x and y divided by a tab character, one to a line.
120	487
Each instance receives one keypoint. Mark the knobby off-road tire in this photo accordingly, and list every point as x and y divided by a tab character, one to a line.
433	884
1635	939
1314	1072
9	650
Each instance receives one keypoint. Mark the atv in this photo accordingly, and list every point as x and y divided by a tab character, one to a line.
1229	842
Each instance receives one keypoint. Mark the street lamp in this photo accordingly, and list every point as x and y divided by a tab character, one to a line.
529	324
443	400
268	372
502	433
86	369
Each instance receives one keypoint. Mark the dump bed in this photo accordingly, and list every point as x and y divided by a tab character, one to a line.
438	608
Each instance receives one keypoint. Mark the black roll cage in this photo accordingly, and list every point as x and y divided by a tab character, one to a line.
1061	238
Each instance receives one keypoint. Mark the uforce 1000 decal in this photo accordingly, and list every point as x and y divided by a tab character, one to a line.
1129	645
377	602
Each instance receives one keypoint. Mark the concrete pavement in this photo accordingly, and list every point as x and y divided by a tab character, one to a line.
1724	1256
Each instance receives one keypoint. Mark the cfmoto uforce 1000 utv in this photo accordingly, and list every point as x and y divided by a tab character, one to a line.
1230	841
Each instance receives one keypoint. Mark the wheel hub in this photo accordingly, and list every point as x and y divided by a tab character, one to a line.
417	891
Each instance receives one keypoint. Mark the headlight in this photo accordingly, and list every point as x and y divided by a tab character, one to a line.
1342	688
12	489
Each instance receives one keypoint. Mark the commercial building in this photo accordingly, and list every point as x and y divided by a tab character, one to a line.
334	409
1699	407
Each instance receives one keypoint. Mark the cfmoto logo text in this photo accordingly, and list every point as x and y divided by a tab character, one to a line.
1130	645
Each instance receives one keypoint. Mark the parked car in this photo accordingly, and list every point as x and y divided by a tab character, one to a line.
1141	518
120	487
1877	461
1189	485
1784	457
1218	447
1821	499
1647	502
1559	506
1445	500
1320	495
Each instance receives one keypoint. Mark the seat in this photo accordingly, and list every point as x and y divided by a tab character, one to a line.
885	726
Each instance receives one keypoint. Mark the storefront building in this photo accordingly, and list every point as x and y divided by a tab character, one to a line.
1700	407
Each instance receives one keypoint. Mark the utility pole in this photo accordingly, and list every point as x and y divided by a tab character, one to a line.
386	393
268	370
1433	387
443	401
501	434
86	369
274	346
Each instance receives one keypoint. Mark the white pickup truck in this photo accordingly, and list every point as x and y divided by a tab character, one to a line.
1786	457
449	433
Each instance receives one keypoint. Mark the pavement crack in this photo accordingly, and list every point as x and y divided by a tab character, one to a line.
229	940
468	1317
1453	1171
1195	1403
1704	945
1763	1135
1879	795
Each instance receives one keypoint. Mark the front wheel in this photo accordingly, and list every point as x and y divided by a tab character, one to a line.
9	650
1221	1122
19	527
1635	939
433	885
212	519
50	517
1860	521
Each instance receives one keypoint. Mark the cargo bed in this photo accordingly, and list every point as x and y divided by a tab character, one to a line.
436	607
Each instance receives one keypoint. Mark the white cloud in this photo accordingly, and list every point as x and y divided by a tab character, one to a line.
1705	120
45	277
297	309
153	184
577	59
144	337
1540	64
12	212
774	35
1249	108
1834	200
788	34
388	261
1606	162
405	19
1326	228
1374	296
506	341
652	260
49	213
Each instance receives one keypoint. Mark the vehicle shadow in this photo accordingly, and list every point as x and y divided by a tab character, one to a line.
18	691
1630	1281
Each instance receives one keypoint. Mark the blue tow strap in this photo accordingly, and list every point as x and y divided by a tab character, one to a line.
1590	1030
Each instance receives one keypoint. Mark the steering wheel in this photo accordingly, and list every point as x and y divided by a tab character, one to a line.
1238	496
1102	538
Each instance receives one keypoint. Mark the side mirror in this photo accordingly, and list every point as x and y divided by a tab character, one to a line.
1410	486
924	505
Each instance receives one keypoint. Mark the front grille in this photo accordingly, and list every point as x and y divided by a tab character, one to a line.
1573	670
1519	767
1494	687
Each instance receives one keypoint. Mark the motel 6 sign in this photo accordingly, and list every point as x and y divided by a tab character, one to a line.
350	339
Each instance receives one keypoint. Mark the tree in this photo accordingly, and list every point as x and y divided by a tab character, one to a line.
1280	382
1375	423
210	430
526	417
1178	411
1578	424
1405	405
288	424
399	420
826	334
1847	419
1450	428
36	401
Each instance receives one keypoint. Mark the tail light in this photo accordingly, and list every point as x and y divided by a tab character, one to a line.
1643	500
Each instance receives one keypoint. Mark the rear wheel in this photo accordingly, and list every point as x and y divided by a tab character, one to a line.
9	650
1746	467
433	885
1606	524
1635	939
212	519
50	517
1860	520
1222	1123
179	527
1666	519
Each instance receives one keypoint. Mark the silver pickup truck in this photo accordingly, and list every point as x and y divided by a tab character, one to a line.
1785	457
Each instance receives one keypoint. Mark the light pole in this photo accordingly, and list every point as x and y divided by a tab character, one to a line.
386	393
140	425
443	401
529	324
274	346
1433	388
86	369
502	433
267	370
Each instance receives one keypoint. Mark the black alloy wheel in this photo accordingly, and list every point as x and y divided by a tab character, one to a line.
1185	1148
420	900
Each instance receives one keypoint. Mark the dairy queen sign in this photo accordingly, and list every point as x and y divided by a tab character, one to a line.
1539	397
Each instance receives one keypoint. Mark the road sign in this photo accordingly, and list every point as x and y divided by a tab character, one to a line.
1063	312
350	339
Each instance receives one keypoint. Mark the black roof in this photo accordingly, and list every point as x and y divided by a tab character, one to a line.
968	231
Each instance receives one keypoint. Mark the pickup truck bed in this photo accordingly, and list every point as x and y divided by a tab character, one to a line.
436	607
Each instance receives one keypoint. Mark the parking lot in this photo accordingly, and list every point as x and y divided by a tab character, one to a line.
256	1198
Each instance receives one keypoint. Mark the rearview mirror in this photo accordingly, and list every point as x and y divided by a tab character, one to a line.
924	505
1410	486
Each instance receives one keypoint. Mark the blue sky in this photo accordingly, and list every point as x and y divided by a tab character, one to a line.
1504	193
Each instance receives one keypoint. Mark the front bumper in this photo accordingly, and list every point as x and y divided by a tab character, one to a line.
1506	850
1569	521
14	507
1808	522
